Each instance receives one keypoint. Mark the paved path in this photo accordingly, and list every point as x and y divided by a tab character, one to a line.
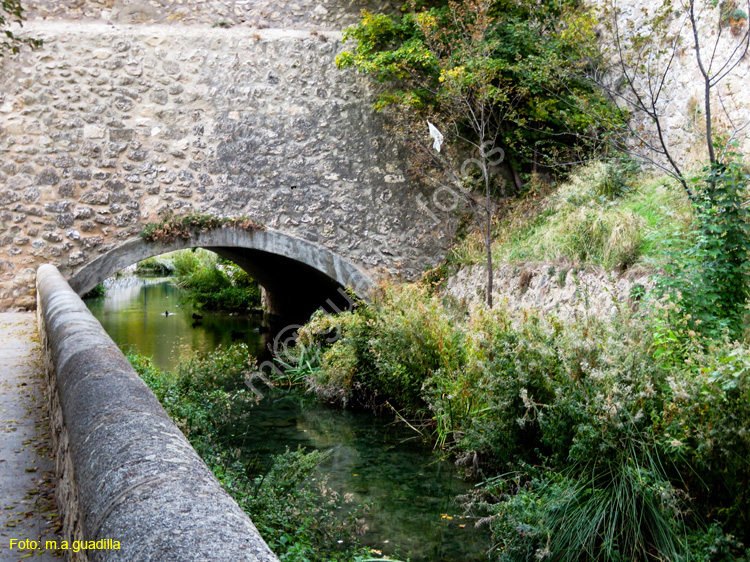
27	508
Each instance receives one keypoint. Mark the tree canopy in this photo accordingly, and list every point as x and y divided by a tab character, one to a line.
519	62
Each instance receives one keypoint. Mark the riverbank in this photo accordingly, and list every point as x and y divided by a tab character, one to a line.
582	431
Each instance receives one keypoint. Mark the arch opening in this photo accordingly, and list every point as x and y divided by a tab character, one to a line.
298	277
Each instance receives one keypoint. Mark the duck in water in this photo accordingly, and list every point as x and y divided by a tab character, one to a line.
167	313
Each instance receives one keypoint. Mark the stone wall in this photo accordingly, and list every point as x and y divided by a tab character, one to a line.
125	471
680	103
110	126
298	14
561	290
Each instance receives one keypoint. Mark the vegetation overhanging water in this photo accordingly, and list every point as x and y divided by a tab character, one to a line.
409	490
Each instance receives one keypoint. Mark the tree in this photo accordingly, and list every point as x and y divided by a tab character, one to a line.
484	72
643	77
643	51
11	11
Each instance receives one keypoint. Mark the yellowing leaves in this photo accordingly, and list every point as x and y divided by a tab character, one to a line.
426	21
453	75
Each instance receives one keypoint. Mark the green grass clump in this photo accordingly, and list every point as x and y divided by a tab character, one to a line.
601	216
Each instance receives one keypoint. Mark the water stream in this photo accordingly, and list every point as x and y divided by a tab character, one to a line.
411	488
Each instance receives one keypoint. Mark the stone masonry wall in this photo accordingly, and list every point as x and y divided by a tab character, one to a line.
110	126
299	14
560	290
681	100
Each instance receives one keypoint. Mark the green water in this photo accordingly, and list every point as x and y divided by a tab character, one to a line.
410	487
133	310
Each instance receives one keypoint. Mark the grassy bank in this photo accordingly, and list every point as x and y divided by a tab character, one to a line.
625	439
604	214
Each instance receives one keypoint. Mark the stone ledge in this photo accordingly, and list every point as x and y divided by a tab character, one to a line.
126	471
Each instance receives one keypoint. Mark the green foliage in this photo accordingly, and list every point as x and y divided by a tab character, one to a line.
212	286
297	514
186	226
615	439
618	178
97	292
708	281
644	221
517	60
158	265
12	11
400	342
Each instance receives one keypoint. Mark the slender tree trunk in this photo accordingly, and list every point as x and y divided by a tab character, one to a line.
488	240
489	274
516	178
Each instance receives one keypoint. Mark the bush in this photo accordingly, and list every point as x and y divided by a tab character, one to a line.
708	282
97	292
213	288
617	439
397	343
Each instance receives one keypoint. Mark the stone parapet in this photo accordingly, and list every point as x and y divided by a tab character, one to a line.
126	472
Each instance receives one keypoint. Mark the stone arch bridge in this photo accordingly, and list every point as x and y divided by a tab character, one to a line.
128	113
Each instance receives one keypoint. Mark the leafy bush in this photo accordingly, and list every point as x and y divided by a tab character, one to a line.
97	292
213	287
400	342
616	439
708	280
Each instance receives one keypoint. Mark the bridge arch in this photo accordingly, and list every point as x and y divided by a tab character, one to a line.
298	276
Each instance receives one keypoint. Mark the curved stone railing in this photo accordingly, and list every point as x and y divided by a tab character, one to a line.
126	472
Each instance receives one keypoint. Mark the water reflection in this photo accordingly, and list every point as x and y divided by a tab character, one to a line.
409	484
133	310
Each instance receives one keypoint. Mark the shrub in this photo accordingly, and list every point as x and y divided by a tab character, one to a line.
211	288
618	439
97	292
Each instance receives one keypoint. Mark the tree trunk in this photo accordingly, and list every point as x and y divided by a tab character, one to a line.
489	274
517	181
488	240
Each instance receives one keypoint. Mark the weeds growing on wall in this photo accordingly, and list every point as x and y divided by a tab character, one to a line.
186	226
11	11
296	513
